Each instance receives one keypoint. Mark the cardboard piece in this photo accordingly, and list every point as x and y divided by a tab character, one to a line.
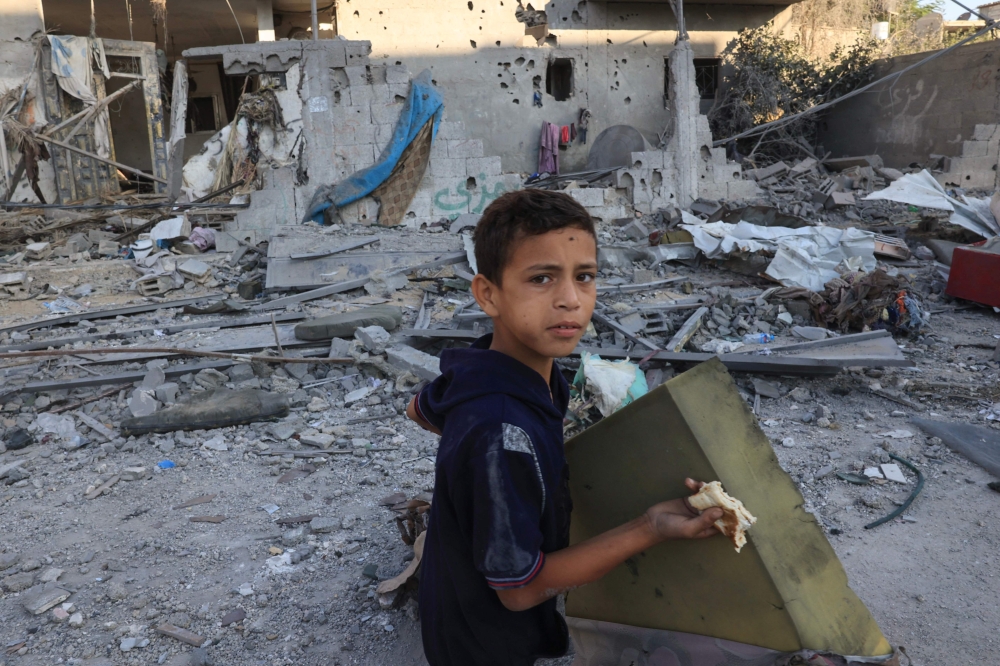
786	591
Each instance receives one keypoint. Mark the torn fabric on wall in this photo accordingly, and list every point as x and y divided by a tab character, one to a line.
922	189
424	104
71	65
807	257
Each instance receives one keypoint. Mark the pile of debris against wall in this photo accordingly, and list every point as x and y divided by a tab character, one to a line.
208	341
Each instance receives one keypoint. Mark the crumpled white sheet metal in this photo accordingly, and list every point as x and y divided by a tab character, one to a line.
922	189
807	257
71	65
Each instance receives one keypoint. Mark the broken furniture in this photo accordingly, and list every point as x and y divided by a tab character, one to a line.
786	591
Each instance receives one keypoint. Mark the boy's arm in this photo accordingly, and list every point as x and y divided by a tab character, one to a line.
414	414
590	560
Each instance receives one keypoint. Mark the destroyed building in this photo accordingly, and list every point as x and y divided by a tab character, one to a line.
255	245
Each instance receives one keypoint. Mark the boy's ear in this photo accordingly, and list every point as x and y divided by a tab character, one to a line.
486	293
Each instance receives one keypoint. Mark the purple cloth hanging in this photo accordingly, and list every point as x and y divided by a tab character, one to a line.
548	149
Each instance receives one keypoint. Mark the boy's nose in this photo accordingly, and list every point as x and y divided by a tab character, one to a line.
567	296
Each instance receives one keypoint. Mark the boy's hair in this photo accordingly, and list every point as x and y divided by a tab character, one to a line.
516	215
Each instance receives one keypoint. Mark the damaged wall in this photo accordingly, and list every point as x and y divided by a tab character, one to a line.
933	109
21	20
489	69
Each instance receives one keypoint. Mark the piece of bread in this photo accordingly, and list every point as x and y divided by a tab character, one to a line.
735	521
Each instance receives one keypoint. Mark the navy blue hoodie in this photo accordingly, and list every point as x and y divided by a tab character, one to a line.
501	501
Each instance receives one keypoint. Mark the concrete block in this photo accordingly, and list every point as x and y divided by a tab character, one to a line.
975	148
376	74
483	166
400	91
449	198
358	52
414	361
373	338
421	207
972	164
167	393
360	95
381	94
330	53
351	115
608	213
718	157
397	74
359	154
648	159
447	167
742	189
364	134
383	134
984	132
712	190
464	148
387	114
439	149
728	173
451	129
588	197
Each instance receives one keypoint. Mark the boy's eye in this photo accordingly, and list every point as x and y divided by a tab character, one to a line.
541	279
586	277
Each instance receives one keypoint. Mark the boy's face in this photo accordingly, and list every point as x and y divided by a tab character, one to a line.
548	292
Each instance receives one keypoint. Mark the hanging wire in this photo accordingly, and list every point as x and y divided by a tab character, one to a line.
128	12
237	22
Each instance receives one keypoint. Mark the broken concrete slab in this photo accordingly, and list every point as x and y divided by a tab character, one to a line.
373	338
41	598
408	359
222	408
345	324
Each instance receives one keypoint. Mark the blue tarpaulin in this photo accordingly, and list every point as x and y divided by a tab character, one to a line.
424	103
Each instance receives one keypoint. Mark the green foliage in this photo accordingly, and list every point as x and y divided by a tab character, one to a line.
772	78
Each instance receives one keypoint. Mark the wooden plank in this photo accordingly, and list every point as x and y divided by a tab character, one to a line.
95	425
685	332
94	156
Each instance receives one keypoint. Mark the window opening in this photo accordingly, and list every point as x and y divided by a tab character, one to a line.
559	79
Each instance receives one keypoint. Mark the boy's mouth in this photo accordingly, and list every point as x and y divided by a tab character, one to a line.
566	329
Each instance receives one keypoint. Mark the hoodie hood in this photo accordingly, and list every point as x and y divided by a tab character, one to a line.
468	374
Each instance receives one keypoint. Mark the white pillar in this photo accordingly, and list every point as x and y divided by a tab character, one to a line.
265	21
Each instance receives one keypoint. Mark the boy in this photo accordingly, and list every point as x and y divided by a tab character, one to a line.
496	553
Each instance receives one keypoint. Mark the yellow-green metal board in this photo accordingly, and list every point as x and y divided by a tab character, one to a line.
786	590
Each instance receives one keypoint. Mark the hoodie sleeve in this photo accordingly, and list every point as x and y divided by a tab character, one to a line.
428	401
508	498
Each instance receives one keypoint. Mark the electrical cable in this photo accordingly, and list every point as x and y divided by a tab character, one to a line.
825	105
242	39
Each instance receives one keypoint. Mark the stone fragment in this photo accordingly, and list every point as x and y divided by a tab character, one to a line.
217	443
348	521
17	582
893	473
41	598
132	642
133	474
824	471
324	524
408	359
7	560
183	635
153	378
210	379
318	440
234	617
357	394
240	372
76	620
281	431
167	393
317	405
142	403
788	442
800	394
59	615
373	338
50	575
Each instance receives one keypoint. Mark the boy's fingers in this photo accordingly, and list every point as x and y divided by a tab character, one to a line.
693	485
704	525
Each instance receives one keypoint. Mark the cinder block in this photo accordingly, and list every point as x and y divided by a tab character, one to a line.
588	197
713	191
381	94
465	148
397	74
351	115
972	164
361	95
450	129
383	134
357	75
422	205
358	52
984	132
376	74
401	90
439	150
649	159
742	189
450	197
608	213
364	134
447	168
483	166
975	148
330	53
359	154
386	114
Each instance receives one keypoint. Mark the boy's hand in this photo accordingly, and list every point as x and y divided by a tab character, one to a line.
677	520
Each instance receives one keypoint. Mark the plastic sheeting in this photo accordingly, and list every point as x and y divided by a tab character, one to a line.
613	384
424	103
71	65
807	257
922	189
